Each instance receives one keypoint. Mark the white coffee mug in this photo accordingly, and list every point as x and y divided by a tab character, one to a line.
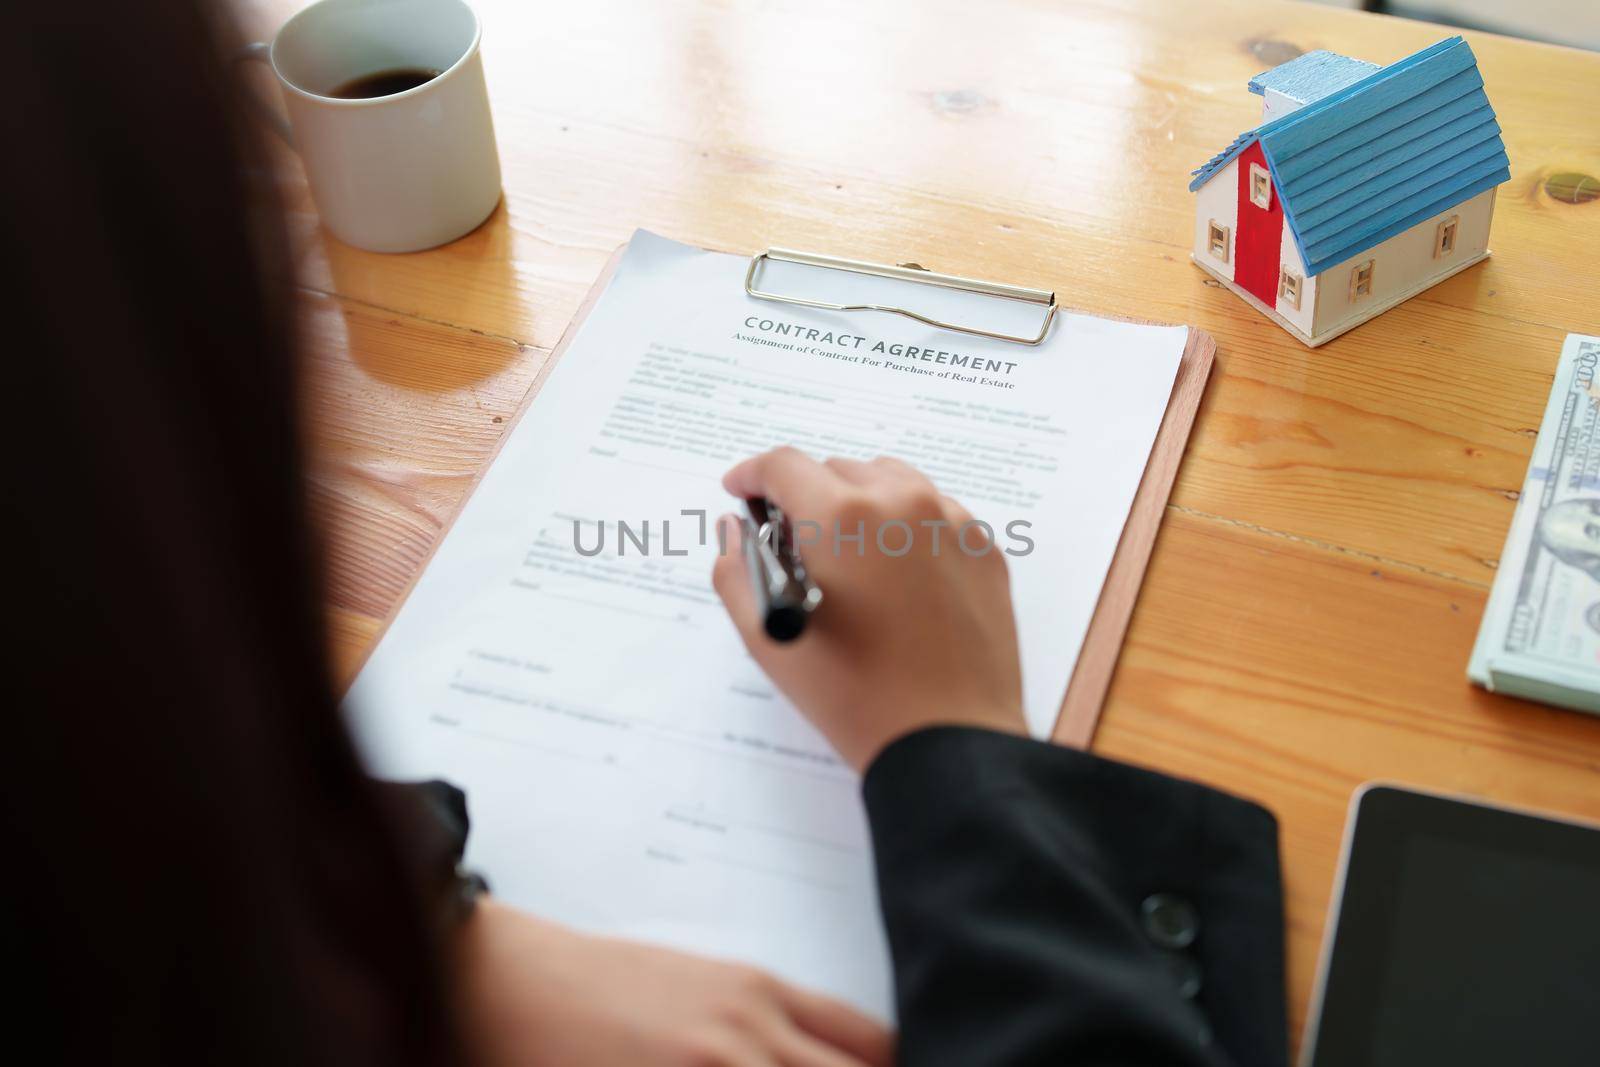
391	173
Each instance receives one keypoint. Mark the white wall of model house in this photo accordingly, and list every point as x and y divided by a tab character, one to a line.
1302	317
1402	265
1217	201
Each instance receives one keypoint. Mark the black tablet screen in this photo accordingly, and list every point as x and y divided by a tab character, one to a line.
1466	936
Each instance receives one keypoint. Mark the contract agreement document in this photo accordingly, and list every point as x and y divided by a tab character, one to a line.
628	768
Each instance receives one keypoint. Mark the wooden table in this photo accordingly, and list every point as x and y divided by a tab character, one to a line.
1324	561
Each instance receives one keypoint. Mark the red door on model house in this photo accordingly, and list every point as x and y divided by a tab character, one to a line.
1258	245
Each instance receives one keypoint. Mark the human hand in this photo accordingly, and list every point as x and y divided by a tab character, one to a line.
535	994
900	641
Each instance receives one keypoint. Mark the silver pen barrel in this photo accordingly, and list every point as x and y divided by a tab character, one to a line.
785	593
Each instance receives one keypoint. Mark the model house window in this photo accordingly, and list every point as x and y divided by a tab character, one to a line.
1260	186
1444	240
1289	288
1217	241
1361	280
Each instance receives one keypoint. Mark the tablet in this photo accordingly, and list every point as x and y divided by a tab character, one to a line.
1464	934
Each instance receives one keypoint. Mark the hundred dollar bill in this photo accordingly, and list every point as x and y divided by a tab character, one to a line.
1540	635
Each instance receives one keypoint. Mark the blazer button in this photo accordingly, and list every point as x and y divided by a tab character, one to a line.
1170	921
1185	974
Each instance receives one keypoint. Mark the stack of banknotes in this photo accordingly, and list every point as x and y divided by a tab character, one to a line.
1540	636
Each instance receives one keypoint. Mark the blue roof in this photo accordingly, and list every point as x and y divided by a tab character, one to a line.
1311	76
1377	157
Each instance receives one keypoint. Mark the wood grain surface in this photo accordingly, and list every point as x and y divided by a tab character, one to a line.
1306	617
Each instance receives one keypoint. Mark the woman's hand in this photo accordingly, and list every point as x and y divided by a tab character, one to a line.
900	641
534	994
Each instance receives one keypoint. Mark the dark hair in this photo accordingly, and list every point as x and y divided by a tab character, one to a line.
197	869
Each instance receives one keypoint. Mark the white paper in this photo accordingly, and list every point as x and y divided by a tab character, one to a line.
629	769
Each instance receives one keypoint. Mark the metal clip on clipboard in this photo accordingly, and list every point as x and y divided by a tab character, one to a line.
907	272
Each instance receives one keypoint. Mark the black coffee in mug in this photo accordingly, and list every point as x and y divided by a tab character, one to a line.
406	159
384	83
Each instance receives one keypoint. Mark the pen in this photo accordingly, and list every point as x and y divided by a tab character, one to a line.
785	594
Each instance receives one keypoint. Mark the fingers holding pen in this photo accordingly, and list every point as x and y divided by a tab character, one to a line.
912	630
853	471
788	477
804	486
730	577
843	494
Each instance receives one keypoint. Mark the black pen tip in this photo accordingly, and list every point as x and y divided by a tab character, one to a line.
785	623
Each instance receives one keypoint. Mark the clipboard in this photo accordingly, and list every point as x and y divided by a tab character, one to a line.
904	272
1097	658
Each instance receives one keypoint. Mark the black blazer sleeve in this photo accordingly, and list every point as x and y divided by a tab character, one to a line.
1046	906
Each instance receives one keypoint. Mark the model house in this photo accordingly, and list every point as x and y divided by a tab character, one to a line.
1363	186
